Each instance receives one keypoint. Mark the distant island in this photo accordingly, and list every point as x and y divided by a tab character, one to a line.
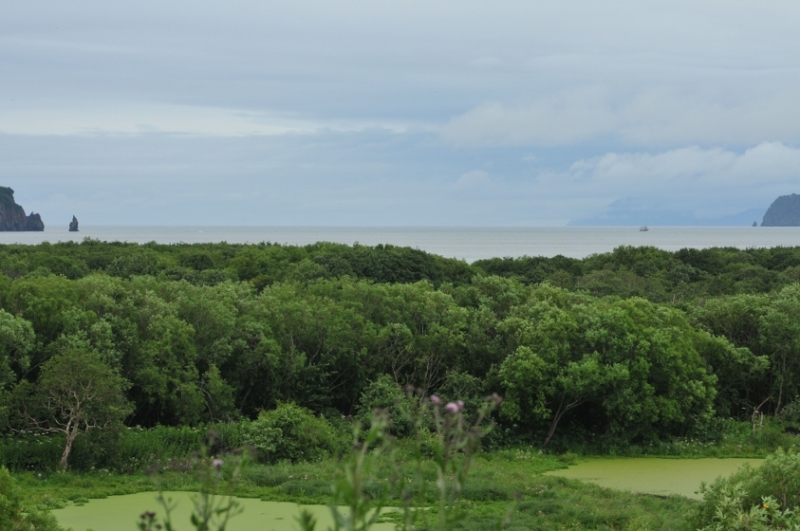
783	212
12	215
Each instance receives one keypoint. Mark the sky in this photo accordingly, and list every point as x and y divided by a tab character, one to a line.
399	113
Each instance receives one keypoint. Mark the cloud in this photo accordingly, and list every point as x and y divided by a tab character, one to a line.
473	179
166	118
648	118
762	164
315	112
691	181
371	177
487	62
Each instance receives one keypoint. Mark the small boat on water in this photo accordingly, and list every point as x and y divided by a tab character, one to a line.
643	228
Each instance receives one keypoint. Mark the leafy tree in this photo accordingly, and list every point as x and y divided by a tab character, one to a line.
780	336
17	339
744	374
75	393
385	394
634	365
294	433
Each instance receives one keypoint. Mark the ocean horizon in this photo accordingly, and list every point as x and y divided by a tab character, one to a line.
465	243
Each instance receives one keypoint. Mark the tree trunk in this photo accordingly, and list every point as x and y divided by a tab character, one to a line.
780	389
71	434
559	413
553	426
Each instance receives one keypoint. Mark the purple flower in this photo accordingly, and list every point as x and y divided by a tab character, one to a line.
460	404
452	407
436	400
217	463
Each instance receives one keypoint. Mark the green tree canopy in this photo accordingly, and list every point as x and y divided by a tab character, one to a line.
75	393
629	364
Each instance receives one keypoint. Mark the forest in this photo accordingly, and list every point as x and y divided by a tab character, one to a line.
203	333
114	355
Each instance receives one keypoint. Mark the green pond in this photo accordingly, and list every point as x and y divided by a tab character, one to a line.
645	475
121	513
653	475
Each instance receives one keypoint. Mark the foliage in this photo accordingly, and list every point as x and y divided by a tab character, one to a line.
765	376
732	515
364	499
213	505
548	503
293	433
630	363
14	515
768	495
457	442
76	393
17	339
643	345
363	505
385	394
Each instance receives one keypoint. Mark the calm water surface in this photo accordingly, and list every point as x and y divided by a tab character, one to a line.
121	513
652	475
469	244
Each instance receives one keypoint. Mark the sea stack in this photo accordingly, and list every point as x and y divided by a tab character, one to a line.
783	212
12	215
73	225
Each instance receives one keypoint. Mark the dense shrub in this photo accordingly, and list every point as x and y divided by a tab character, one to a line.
31	452
292	433
384	393
14	516
126	450
753	494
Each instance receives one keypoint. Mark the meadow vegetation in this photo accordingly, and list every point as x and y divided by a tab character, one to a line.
137	352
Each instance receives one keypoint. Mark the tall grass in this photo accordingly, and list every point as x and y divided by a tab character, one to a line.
127	450
719	437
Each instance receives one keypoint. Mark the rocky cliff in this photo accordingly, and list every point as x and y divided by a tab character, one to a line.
12	216
783	212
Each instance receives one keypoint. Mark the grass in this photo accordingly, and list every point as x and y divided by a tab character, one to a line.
546	503
720	437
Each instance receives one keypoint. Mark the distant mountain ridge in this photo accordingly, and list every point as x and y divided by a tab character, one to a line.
12	215
783	212
633	212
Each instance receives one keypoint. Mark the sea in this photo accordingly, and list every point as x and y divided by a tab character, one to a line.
465	243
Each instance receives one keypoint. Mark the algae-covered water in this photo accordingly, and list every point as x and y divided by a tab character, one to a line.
653	475
121	513
646	475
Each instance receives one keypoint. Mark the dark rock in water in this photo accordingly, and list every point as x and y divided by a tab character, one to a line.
12	216
784	212
755	224
73	225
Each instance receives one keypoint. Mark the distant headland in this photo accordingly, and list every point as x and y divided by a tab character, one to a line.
12	215
783	212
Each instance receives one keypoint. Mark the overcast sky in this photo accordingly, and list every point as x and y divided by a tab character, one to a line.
401	113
